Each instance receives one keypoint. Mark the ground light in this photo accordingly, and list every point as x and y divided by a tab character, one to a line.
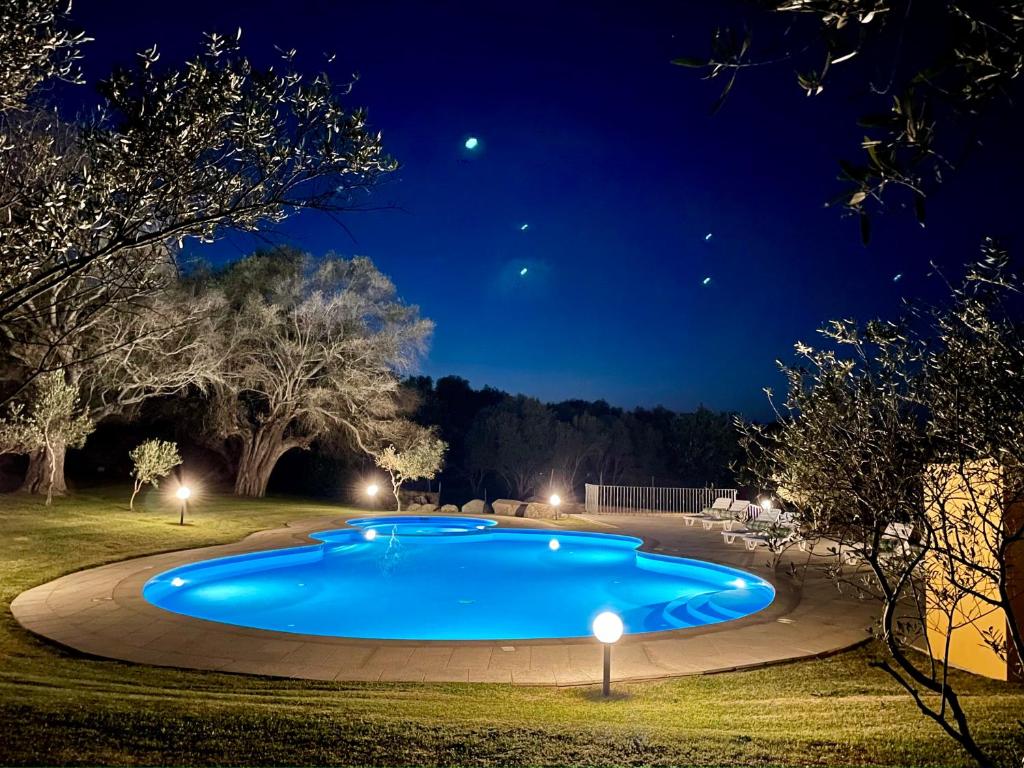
184	493
607	629
555	501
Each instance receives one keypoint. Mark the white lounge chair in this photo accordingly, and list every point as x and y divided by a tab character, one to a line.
738	511
721	504
770	525
895	541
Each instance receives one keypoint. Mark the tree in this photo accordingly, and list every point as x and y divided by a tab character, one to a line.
930	72
172	153
908	423
412	453
48	422
148	342
515	439
151	461
310	350
578	443
34	48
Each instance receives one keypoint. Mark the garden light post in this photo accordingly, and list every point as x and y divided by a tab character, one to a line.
371	491
183	493
607	629
555	500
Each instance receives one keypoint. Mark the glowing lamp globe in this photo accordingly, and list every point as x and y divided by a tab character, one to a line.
183	492
766	504
607	627
371	490
472	142
554	500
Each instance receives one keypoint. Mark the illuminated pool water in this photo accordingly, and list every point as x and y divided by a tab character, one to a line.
444	578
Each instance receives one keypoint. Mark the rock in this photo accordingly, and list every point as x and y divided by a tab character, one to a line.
509	507
539	511
428	507
449	509
477	507
413	507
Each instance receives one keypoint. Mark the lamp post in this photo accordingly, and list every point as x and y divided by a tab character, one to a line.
371	491
607	629
555	501
183	493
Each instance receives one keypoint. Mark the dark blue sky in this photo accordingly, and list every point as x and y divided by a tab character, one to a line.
608	152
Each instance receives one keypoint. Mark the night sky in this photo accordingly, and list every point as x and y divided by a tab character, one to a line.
609	154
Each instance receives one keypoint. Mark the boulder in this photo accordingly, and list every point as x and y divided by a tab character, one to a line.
509	507
427	508
477	507
449	509
538	511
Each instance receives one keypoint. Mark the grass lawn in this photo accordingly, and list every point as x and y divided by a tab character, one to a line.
58	708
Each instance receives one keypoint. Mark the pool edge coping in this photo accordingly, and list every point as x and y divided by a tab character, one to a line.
100	612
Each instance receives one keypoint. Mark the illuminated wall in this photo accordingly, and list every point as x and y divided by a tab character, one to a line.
961	495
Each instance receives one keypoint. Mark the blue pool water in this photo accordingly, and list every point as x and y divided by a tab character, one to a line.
447	578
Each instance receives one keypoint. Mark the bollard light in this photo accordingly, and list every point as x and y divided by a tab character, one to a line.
607	629
555	501
184	493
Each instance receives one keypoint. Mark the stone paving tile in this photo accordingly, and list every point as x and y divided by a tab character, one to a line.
534	676
490	676
319	653
391	655
359	674
401	675
450	675
471	657
429	657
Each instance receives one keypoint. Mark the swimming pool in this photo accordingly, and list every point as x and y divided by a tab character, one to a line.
448	578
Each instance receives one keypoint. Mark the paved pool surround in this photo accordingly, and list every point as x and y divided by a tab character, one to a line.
101	612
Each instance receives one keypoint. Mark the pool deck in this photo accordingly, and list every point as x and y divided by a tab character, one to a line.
101	612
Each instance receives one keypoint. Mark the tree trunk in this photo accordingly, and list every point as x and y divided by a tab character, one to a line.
396	487
37	477
135	491
259	457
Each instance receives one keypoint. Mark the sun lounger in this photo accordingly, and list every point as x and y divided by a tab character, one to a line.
770	525
738	511
721	504
895	541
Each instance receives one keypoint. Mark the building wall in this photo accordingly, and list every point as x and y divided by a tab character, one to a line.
962	494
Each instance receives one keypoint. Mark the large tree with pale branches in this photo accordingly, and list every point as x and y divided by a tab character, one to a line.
141	346
310	352
95	210
170	153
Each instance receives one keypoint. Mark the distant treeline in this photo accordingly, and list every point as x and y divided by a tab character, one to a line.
500	445
512	445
